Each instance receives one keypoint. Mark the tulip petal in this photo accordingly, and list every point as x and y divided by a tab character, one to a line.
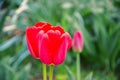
53	47
43	26
69	40
43	51
32	41
49	46
31	49
39	24
65	45
58	28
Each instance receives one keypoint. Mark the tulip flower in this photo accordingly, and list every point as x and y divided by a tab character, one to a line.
48	43
32	37
77	46
78	42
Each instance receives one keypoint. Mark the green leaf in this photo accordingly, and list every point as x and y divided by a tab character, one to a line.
89	76
9	43
19	53
23	74
21	58
69	73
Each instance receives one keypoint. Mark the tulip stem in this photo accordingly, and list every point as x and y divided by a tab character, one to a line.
44	72
51	73
78	66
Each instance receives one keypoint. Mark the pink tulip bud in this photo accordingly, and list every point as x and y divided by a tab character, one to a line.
78	42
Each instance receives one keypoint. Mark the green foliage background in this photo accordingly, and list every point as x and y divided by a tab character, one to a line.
98	20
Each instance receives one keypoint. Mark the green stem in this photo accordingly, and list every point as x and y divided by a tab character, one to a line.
78	66
51	73
44	72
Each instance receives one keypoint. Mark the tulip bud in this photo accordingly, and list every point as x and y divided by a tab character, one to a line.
78	42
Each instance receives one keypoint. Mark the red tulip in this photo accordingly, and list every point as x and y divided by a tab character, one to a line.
78	42
48	43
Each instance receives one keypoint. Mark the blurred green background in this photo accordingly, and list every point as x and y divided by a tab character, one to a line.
98	20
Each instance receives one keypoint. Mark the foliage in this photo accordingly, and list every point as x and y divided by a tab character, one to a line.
98	20
7	72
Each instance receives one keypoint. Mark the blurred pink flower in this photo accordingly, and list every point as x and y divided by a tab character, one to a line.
78	42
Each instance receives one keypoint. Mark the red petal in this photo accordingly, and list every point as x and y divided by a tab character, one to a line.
69	40
53	47
60	55
47	27
65	44
43	26
32	41
58	28
43	51
39	24
31	49
48	46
